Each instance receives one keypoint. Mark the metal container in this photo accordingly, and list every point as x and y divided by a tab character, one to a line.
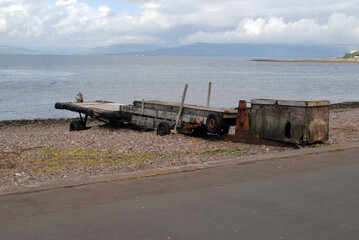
295	121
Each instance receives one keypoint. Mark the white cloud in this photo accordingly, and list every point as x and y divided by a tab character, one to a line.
3	26
65	2
104	11
339	28
254	27
74	22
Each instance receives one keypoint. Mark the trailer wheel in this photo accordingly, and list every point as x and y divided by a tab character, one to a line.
200	132
76	126
224	130
163	128
214	123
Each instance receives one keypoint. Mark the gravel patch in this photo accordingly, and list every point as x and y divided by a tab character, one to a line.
343	126
41	151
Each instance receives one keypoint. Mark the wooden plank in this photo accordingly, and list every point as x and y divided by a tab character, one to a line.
173	106
142	121
168	116
100	106
202	112
156	114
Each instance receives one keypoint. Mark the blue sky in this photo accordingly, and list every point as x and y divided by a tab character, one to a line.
91	23
121	7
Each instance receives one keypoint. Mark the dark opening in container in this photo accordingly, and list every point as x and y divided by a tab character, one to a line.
288	126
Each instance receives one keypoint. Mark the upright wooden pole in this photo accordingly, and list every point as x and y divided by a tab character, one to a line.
209	93
143	106
181	107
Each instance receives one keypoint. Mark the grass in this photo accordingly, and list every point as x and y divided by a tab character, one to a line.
52	160
221	151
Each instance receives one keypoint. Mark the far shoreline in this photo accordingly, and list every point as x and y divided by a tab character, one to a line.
333	60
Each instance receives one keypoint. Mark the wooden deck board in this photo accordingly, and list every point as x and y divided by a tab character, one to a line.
204	108
101	106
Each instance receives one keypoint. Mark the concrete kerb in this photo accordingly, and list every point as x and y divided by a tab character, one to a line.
69	183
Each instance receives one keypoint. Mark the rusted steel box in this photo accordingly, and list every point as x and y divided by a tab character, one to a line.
292	121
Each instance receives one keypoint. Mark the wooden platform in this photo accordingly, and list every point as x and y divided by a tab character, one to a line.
100	109
148	114
106	109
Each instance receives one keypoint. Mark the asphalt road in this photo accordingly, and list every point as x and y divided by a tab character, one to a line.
312	196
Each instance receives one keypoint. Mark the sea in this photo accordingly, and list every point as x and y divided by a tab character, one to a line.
30	85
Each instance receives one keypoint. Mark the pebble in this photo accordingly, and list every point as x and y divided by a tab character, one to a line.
21	141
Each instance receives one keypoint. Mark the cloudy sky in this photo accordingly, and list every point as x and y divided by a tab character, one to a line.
33	23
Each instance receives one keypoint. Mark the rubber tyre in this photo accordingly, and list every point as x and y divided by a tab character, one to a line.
200	132
76	126
214	123
224	130
163	129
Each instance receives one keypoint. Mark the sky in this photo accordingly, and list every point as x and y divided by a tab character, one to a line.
92	23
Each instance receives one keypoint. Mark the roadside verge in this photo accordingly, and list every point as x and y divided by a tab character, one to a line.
69	183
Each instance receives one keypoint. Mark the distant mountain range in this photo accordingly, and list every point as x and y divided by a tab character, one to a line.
279	51
10	50
248	51
14	50
116	49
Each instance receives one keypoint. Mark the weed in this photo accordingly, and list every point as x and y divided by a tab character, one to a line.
50	161
221	151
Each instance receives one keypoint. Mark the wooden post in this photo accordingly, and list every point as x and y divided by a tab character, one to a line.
143	106
209	93
181	107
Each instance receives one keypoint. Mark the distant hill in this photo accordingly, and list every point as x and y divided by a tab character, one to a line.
278	51
120	49
246	51
115	49
59	50
15	50
40	50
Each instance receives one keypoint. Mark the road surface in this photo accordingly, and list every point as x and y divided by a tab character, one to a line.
313	196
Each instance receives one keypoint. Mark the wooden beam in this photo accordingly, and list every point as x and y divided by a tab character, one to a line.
181	107
209	93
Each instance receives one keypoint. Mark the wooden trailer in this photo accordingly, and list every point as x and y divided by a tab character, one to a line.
162	116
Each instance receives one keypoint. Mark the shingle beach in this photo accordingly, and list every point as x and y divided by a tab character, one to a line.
41	151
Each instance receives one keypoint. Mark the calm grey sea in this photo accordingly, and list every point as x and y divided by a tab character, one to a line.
30	85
